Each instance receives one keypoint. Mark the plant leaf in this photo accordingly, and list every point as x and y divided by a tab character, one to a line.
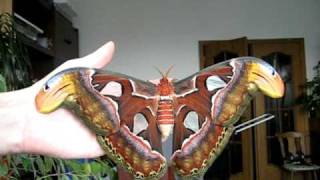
49	164
3	86
96	168
64	177
74	177
40	165
26	163
3	170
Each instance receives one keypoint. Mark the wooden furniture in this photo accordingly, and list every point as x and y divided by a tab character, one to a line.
5	6
62	37
293	149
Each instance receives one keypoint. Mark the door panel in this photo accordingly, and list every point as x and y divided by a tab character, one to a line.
287	56
209	50
235	162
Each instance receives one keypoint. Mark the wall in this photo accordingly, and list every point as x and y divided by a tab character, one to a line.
151	33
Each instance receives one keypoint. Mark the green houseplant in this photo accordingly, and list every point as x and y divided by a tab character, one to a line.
15	65
311	98
311	102
3	86
15	73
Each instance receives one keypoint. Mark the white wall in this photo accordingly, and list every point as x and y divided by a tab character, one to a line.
161	33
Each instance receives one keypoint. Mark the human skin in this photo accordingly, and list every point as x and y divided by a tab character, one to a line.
59	134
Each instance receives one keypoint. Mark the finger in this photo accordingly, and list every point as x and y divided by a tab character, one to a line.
99	58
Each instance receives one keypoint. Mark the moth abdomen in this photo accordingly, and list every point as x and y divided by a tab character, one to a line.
165	117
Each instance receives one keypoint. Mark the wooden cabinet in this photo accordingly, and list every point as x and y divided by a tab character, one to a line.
65	39
61	38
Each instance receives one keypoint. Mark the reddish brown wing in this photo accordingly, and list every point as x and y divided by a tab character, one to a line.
139	155
204	94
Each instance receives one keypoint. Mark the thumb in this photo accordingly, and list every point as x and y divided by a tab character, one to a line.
99	58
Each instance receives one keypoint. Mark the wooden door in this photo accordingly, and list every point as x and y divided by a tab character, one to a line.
6	6
235	162
287	56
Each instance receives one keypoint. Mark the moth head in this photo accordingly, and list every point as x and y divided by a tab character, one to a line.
55	92
265	78
165	86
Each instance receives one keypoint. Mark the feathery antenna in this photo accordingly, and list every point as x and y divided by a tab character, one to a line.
168	71
164	75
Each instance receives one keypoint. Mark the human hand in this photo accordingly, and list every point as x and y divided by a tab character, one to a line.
59	133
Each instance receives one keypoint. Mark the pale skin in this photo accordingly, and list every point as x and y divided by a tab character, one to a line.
60	134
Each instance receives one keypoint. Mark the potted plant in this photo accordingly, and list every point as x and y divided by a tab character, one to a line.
3	86
311	98
15	66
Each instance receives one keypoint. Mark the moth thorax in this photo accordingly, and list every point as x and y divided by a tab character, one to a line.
165	118
165	87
